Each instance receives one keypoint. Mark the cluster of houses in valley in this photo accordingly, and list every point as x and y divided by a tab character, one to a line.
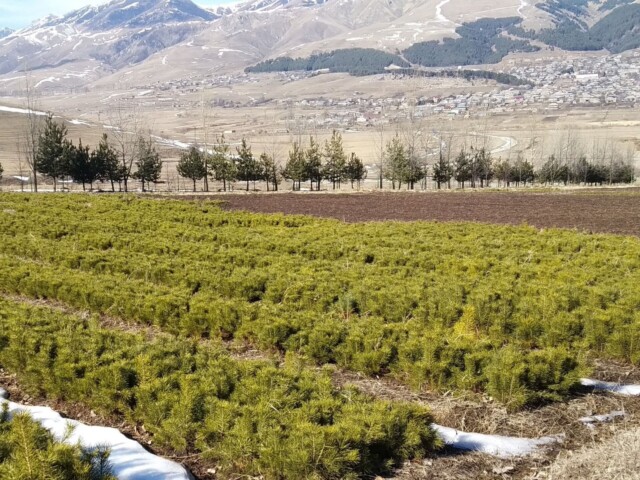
594	80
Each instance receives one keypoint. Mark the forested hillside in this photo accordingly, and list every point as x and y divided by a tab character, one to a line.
487	41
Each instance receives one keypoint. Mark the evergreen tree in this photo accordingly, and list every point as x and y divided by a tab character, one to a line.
270	171
83	167
553	171
442	171
246	164
522	172
503	172
483	167
313	157
296	168
1	171
49	158
396	162
148	163
355	170
336	160
107	158
463	168
192	165
223	169
415	170
29	451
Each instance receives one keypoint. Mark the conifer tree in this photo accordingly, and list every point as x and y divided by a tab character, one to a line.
107	158
335	160
1	171
396	161
463	168
49	158
192	165
222	167
83	167
522	172
270	171
313	158
148	163
296	169
442	171
246	164
355	170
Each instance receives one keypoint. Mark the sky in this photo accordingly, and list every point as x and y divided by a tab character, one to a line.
20	13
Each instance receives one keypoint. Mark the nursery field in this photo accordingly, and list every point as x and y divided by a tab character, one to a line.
142	309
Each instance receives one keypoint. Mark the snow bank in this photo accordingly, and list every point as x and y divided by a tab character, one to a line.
496	445
627	390
128	459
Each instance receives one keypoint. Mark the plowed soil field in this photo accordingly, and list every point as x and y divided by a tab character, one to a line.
597	211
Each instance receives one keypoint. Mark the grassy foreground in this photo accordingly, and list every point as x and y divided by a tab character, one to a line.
513	311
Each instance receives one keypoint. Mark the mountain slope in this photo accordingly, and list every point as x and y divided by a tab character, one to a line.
106	37
174	39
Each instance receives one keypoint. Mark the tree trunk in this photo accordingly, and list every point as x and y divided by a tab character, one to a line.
194	185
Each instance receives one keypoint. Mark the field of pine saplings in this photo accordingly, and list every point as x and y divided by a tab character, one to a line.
176	288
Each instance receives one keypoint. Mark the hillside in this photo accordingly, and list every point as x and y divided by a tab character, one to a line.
155	40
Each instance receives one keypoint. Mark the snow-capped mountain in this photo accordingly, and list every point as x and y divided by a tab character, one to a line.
174	39
105	37
133	14
5	32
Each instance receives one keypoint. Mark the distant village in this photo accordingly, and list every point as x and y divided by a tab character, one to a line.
589	81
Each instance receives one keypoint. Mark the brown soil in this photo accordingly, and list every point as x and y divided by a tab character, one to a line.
598	211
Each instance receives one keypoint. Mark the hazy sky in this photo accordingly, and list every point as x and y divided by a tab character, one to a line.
20	13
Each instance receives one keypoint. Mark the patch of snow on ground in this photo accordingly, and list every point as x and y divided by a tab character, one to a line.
439	15
128	459
495	445
75	121
593	419
46	80
164	60
523	5
627	390
20	110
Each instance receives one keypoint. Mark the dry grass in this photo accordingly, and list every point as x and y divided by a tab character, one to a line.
615	458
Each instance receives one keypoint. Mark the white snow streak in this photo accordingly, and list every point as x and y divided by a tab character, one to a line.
626	390
439	16
593	419
128	459
523	5
46	80
20	110
75	121
495	445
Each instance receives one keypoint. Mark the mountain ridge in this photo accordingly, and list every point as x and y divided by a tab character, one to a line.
88	43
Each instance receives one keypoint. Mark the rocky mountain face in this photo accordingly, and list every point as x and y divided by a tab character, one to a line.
185	39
